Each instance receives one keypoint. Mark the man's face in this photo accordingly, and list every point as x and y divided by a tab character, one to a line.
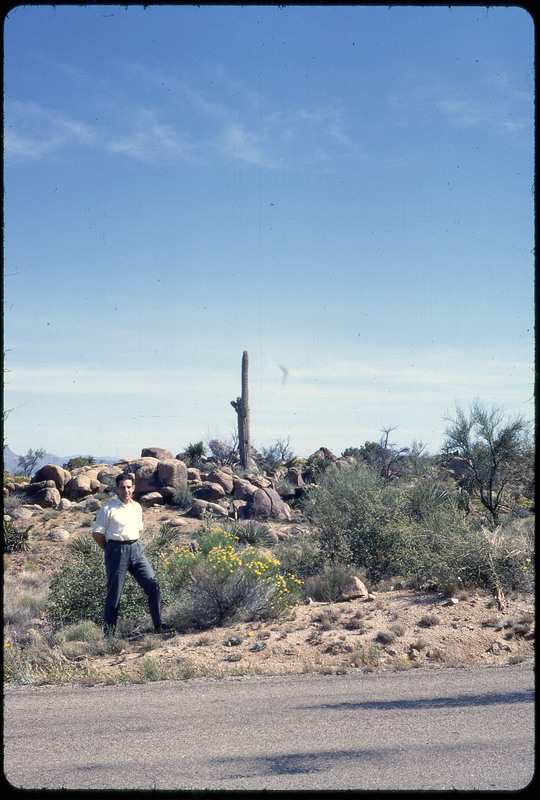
125	490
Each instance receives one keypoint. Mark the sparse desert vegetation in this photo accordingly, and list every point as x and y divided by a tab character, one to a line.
447	572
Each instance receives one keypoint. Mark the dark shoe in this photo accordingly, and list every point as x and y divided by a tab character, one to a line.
163	630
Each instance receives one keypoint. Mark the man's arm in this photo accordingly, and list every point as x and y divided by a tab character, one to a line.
100	539
100	526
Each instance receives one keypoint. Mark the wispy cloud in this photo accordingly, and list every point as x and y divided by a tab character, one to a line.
498	103
33	131
226	119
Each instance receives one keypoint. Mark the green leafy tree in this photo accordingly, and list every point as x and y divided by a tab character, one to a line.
28	463
382	456
493	448
79	461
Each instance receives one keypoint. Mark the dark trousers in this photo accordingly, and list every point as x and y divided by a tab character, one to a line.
121	558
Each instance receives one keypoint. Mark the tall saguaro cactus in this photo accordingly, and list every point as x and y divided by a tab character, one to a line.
241	406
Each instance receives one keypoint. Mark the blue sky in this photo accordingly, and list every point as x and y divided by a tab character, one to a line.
343	191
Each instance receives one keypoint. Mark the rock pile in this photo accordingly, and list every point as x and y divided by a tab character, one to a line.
160	477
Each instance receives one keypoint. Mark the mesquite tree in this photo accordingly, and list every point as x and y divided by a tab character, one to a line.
493	448
241	406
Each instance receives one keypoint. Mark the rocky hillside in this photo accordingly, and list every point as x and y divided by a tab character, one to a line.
160	478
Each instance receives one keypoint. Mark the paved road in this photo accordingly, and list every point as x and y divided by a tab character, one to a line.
468	729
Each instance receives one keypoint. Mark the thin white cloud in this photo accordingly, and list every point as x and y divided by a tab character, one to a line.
33	131
226	119
322	380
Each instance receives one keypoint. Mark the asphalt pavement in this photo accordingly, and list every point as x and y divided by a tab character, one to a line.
426	729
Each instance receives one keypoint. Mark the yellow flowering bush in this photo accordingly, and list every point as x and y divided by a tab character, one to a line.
233	572
177	564
223	560
282	591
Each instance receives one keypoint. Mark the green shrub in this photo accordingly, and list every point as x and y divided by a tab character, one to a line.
252	532
25	597
456	551
82	632
194	453
351	510
425	498
16	539
79	461
419	533
301	556
220	582
326	585
183	499
177	565
211	599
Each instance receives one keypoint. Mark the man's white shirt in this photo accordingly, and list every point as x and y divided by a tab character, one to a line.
118	522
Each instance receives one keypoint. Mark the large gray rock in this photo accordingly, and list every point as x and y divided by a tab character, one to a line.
243	489
48	497
59	534
211	492
457	466
52	472
151	499
267	504
32	489
80	486
201	508
353	589
146	477
221	450
157	452
107	475
294	476
172	473
224	477
323	454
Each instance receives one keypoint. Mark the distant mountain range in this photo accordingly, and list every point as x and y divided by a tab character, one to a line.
11	460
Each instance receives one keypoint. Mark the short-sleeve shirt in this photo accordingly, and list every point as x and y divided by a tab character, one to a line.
119	522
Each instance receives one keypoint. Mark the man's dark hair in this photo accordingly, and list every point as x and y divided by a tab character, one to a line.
125	476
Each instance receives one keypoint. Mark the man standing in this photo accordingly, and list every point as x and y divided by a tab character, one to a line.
117	530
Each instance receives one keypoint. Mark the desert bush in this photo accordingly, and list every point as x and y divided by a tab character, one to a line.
300	556
428	621
183	499
418	532
425	498
16	539
210	600
497	450
251	532
221	582
25	598
269	458
458	552
82	632
351	510
194	453
385	637
285	488
326	585
177	565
